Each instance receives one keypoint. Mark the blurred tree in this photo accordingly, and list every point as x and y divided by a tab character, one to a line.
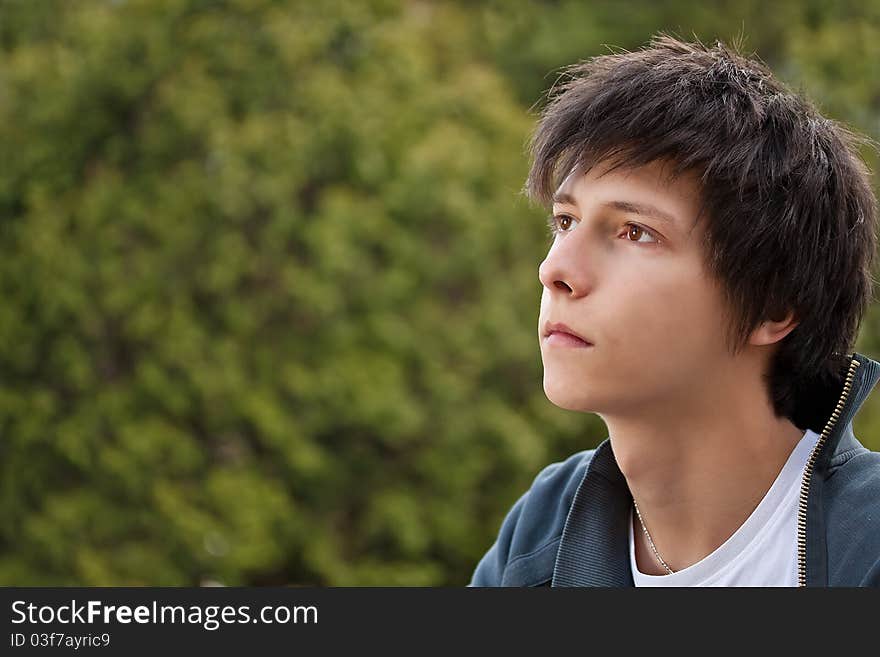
272	295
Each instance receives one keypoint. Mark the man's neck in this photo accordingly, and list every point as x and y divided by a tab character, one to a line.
699	473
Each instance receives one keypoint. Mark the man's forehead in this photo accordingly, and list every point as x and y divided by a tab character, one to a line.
660	174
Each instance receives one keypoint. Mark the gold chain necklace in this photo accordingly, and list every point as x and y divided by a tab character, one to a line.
650	542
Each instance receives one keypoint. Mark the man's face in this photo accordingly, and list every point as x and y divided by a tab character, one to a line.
633	284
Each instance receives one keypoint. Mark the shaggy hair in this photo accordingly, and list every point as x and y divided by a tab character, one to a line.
787	202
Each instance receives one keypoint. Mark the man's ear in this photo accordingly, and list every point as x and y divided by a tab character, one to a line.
771	331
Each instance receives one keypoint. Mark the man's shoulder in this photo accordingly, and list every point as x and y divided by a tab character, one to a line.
852	516
525	550
855	474
562	477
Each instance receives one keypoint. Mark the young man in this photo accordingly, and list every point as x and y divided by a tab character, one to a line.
711	258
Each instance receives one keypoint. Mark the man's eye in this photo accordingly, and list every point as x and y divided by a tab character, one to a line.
559	223
634	232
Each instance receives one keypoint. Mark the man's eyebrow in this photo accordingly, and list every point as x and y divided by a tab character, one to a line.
631	207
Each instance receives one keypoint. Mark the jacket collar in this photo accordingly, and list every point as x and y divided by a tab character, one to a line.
842	438
594	549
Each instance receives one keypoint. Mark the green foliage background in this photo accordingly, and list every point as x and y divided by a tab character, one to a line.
270	289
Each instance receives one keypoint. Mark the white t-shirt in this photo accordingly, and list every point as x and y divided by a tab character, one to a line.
763	551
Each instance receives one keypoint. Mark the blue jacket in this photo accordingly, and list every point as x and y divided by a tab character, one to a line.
571	527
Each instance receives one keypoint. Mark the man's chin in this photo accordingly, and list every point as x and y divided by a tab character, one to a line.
566	400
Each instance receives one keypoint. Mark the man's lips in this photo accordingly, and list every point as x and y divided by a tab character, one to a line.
558	333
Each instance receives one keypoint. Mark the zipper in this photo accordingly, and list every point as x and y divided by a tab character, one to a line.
808	473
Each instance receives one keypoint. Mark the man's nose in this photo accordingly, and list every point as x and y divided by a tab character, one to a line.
567	268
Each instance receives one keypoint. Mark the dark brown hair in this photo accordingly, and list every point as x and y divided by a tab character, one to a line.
789	210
